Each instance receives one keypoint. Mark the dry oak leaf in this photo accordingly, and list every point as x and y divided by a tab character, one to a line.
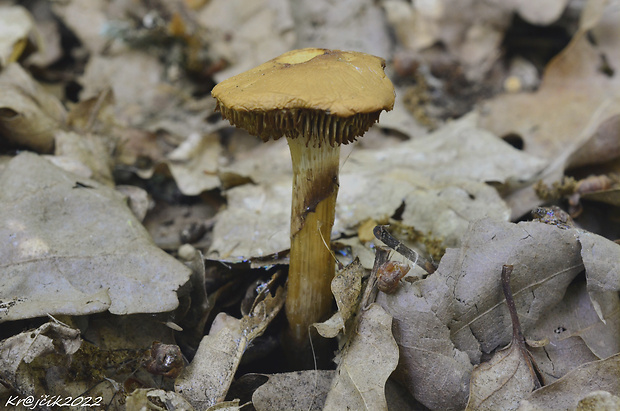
568	391
71	246
372	347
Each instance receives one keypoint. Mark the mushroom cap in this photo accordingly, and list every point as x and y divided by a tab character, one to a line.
322	95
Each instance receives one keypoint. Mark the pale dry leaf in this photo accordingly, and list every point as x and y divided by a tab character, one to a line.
16	25
575	316
50	338
194	163
148	399
500	383
600	401
29	116
434	371
565	393
372	347
255	224
562	355
90	150
294	391
601	258
207	379
136	79
346	288
545	259
87	19
72	246
445	322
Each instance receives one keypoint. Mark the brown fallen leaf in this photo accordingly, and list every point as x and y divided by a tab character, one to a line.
444	323
568	391
500	383
16	25
29	116
346	287
50	338
148	399
511	374
294	391
372	347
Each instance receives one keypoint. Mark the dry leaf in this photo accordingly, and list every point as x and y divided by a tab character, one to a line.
501	383
194	163
206	380
72	246
346	287
50	338
15	27
511	374
87	19
149	399
445	322
90	150
372	347
29	116
576	315
434	371
565	393
294	391
601	258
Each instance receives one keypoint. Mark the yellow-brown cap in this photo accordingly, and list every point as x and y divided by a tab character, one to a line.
322	95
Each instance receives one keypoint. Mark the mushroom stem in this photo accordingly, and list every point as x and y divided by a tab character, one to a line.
312	267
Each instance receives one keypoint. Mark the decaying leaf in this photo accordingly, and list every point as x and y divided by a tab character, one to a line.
346	287
294	391
575	316
88	149
50	338
501	383
206	380
29	116
568	391
601	258
372	347
72	246
194	163
15	27
460	308
511	374
149	399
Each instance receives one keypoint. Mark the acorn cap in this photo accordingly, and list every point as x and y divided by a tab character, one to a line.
322	95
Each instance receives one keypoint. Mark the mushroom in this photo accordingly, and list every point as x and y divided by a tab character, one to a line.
318	99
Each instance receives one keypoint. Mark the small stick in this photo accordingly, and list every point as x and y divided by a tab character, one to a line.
384	235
